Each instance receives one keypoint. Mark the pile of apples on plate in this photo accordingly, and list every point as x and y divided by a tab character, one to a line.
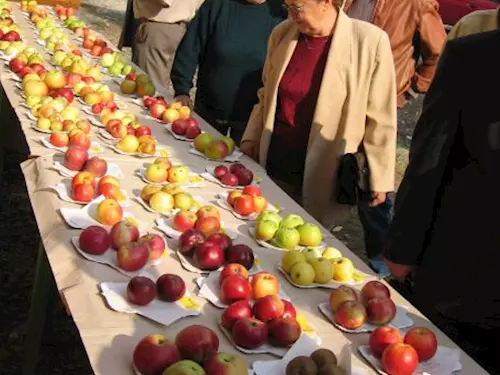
194	351
268	319
96	95
77	155
312	265
168	198
85	187
288	232
168	113
138	84
321	362
401	355
162	171
132	250
168	288
373	305
236	175
247	202
144	144
118	129
71	134
64	12
188	128
213	148
118	66
212	250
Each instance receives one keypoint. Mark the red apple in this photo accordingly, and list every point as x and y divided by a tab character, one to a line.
157	110
235	288
226	364
97	108
245	177
83	192
183	221
283	332
192	132
75	158
16	65
229	179
380	311
350	315
142	130
232	269
132	257
97	166
208	225
340	295
268	308
374	289
249	333
221	239
189	240
141	290
123	233
220	171
424	341
252	190
208	256
154	353
236	310
208	211
290	311
155	244
244	205
198	343
399	359
179	127
382	337
94	240
241	254
65	93
148	101
170	287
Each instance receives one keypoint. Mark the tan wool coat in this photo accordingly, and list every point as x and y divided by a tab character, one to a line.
356	106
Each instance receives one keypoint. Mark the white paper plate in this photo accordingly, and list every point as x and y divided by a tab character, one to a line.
168	127
209	289
400	321
95	147
165	225
109	258
46	131
81	218
445	362
189	184
269	245
234	157
159	152
141	201
63	190
113	170
221	200
160	311
331	284
304	346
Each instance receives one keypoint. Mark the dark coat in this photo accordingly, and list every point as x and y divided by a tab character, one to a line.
446	210
129	27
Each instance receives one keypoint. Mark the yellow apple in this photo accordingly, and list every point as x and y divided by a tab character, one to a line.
343	269
323	270
70	113
311	254
156	173
290	259
178	174
302	273
79	86
161	202
129	143
43	123
331	253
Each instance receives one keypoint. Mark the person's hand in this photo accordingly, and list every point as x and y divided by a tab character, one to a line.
250	148
378	198
399	271
185	100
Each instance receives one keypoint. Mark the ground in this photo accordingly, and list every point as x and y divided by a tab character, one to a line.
62	351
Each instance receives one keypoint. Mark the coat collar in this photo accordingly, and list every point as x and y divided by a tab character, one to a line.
377	10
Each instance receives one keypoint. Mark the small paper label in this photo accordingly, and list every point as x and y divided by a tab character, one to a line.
164	153
304	324
189	303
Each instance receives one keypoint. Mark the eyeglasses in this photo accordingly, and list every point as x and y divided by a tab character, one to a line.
294	9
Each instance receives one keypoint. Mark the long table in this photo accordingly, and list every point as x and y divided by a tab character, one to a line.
109	337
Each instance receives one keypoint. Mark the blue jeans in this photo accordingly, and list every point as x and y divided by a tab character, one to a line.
376	222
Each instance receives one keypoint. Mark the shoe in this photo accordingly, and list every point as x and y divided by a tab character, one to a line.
379	266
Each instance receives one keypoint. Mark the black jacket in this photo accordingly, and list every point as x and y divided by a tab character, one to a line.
447	207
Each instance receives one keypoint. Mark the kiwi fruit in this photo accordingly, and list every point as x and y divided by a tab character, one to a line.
302	366
323	357
331	369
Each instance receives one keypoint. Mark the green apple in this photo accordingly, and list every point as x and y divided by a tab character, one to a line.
265	230
311	253
287	238
185	367
269	215
302	273
343	269
31	101
290	259
142	79
107	60
116	69
45	34
310	235
30	51
4	45
291	221
58	57
201	141
323	270
331	253
127	69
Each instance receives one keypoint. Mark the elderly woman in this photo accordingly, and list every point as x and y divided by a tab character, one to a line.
227	41
328	90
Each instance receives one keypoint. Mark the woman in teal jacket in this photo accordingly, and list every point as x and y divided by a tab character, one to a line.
227	42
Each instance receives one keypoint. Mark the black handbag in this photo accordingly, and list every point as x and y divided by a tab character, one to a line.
353	176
